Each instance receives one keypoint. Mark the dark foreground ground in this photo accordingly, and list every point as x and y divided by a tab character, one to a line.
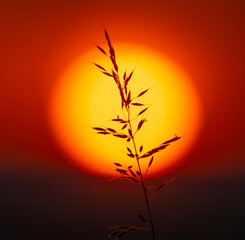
74	206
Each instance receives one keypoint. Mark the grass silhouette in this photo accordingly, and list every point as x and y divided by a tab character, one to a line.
127	133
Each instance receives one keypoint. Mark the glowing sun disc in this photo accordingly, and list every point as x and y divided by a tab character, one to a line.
85	98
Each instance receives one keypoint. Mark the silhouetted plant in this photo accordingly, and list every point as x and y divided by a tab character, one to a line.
127	133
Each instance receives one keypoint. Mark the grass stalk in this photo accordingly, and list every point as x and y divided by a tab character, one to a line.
127	172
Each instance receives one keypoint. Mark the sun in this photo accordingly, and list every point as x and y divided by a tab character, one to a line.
84	98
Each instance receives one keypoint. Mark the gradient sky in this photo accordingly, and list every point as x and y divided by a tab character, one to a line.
44	197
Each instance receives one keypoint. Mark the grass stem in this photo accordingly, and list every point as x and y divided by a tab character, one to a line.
141	177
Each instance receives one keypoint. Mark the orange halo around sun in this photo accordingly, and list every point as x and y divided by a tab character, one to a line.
85	98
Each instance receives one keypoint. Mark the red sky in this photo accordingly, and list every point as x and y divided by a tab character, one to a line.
39	39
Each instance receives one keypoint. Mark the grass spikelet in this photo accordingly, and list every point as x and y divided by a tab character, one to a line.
142	111
137	104
142	121
128	78
107	74
141	218
100	67
102	50
112	130
118	164
99	129
120	135
142	93
141	148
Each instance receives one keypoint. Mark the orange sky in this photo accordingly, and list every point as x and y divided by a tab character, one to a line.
39	39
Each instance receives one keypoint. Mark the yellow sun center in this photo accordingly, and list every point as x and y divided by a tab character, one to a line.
85	98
